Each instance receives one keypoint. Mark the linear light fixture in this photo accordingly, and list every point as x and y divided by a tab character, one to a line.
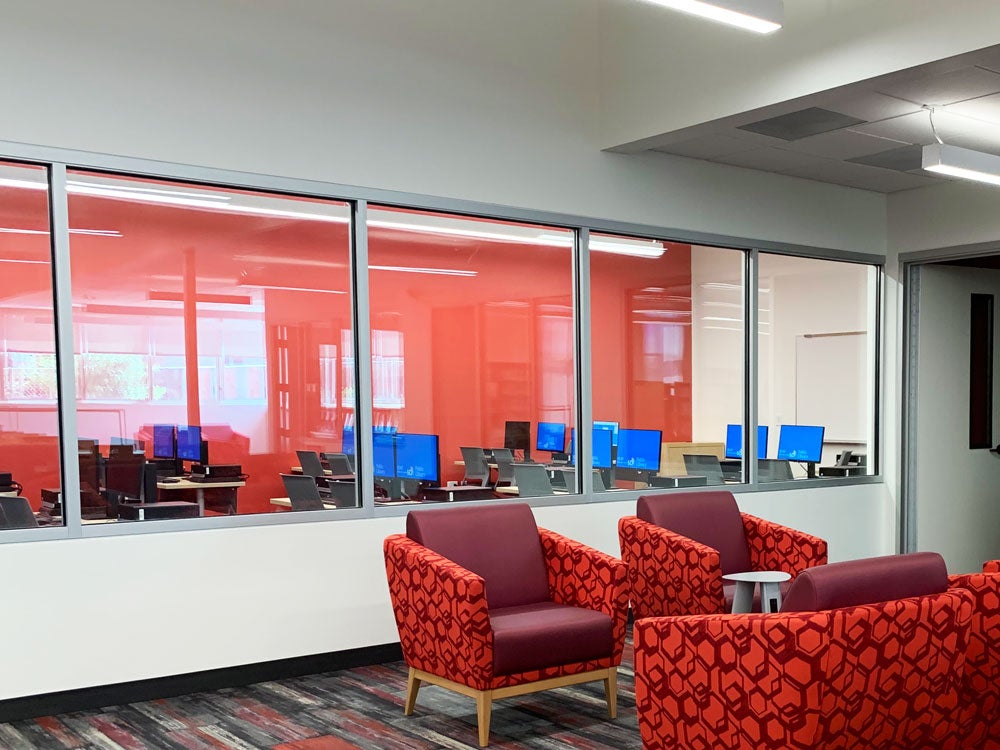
432	271
762	16
965	163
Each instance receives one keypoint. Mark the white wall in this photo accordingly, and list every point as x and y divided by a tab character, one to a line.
664	71
467	98
957	500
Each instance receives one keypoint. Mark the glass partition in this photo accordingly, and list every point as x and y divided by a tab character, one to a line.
817	322
667	350
472	356
29	405
214	349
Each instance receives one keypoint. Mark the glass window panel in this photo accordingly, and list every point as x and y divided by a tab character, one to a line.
208	307
472	329
29	418
816	366
667	352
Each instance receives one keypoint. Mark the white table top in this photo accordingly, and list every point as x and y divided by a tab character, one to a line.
759	576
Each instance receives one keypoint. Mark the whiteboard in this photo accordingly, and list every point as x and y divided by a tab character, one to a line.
830	384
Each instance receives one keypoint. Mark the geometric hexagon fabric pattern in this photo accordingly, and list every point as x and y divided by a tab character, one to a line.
877	676
980	705
442	614
776	547
670	574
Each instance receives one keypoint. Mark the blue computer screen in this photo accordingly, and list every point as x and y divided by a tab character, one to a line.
734	441
551	437
163	441
800	442
382	453
188	442
601	447
417	457
347	440
613	426
639	449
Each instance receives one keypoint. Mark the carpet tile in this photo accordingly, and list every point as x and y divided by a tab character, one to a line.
354	709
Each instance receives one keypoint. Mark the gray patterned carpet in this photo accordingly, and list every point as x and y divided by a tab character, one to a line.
356	708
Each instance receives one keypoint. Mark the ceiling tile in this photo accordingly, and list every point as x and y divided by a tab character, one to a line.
946	88
985	108
912	128
903	159
770	159
869	105
706	147
841	144
883	181
842	172
801	124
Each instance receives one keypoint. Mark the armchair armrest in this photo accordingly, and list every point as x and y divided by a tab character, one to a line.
669	574
776	547
441	613
731	681
981	690
585	577
991	566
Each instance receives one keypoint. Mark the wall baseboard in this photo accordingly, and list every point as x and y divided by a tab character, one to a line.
84	699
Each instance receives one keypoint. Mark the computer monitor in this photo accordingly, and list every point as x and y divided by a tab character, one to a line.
417	457
551	436
123	473
800	442
639	449
188	442
601	447
734	441
383	453
613	426
163	441
347	440
517	436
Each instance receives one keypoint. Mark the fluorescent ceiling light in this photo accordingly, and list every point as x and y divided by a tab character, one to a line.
962	162
434	271
93	232
290	288
762	16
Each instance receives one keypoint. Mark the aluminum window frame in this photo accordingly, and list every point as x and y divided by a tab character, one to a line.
58	161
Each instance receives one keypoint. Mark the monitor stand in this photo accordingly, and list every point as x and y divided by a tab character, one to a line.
811	470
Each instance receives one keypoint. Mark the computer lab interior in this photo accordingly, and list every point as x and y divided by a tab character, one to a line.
272	288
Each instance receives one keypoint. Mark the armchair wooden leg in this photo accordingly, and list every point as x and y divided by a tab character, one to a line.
611	692
484	703
412	686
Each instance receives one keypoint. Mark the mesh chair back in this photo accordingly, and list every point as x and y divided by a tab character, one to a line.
15	513
339	463
532	480
476	468
302	492
310	463
705	466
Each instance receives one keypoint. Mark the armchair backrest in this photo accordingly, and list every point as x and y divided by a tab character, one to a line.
866	581
499	543
711	518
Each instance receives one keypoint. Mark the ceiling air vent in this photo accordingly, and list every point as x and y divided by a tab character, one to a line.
802	124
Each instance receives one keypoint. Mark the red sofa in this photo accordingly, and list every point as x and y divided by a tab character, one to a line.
489	605
831	669
679	545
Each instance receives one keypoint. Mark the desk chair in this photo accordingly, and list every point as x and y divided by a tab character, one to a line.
477	471
599	485
343	494
16	513
311	464
339	463
302	492
504	458
707	466
532	480
774	470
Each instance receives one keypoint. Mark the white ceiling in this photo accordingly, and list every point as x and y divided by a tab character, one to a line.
882	151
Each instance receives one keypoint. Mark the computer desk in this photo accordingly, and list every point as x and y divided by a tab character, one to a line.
513	491
284	502
327	473
183	483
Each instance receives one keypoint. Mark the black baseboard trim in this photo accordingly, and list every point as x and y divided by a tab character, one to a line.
84	699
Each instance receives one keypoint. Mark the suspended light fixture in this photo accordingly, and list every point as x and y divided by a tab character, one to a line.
762	16
955	161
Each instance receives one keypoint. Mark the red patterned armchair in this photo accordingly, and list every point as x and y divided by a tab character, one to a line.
489	605
863	654
679	545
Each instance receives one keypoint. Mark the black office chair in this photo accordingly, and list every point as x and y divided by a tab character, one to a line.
343	494
774	470
339	463
477	470
311	464
302	492
16	513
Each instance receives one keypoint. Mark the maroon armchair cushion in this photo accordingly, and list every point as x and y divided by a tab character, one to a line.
866	581
499	543
712	518
535	636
